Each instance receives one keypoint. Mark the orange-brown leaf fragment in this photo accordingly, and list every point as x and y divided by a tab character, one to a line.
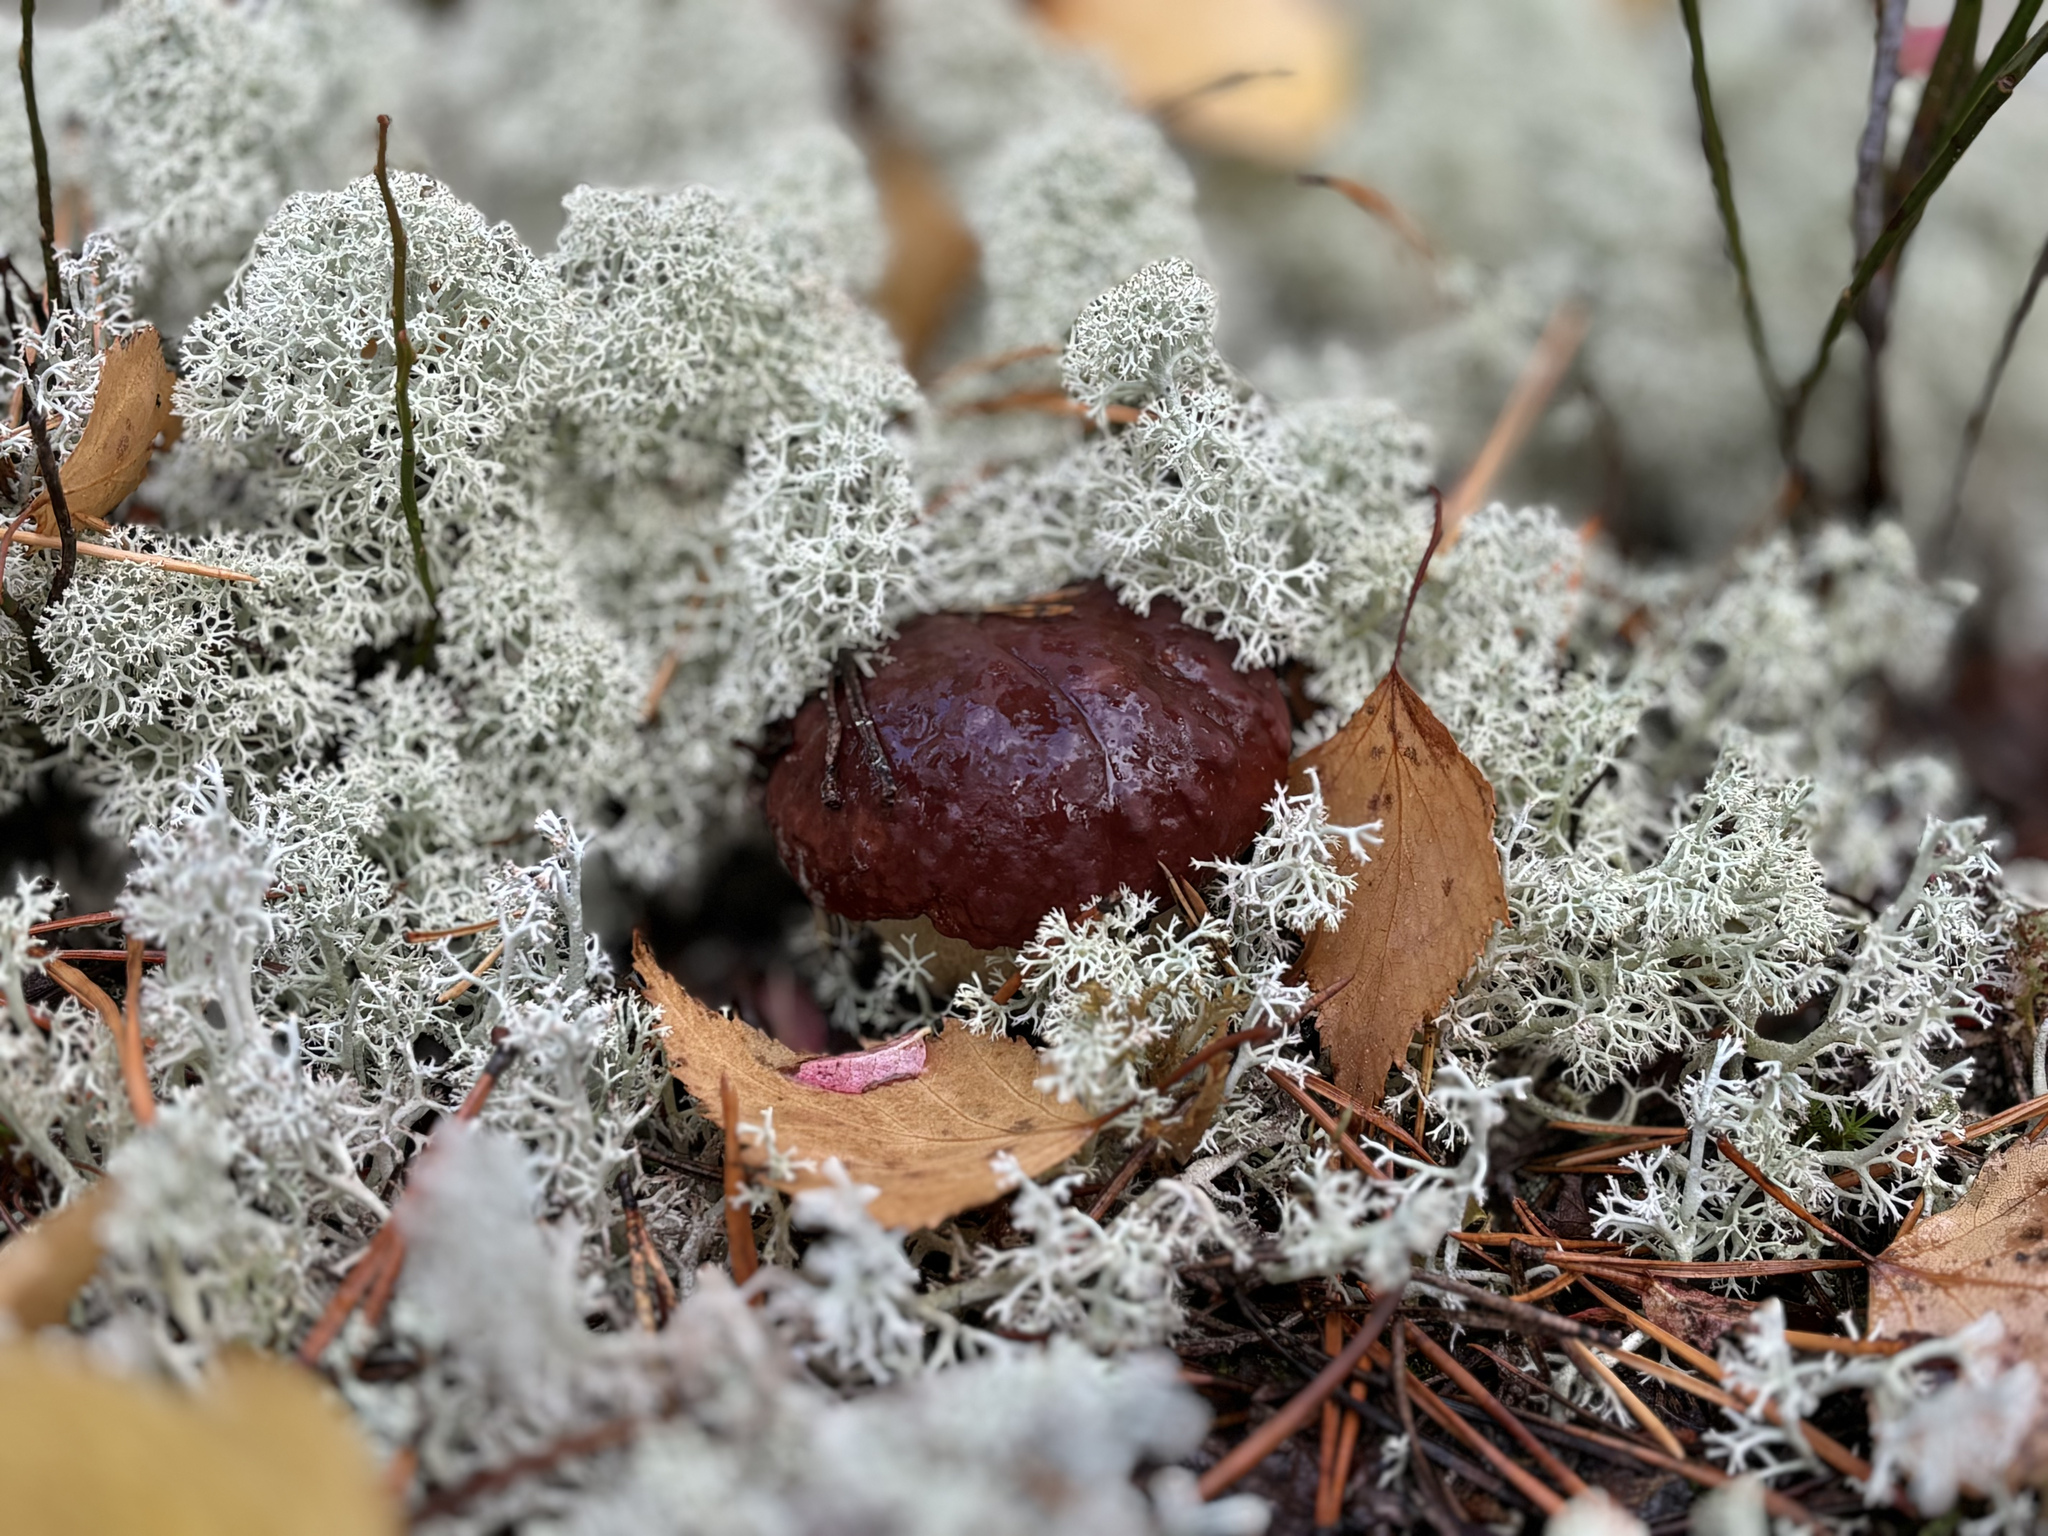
1427	899
130	407
925	1142
1988	1253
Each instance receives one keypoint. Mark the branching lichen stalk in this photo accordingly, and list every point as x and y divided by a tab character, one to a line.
408	455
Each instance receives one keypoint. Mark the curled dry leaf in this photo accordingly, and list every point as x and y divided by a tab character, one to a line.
46	1266
130	407
1267	79
1988	1253
262	1447
924	1142
1427	899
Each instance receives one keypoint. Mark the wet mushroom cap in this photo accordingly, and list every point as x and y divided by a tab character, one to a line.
1034	763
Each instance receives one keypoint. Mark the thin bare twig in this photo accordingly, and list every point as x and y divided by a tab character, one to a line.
45	205
739	1220
1980	413
130	556
1716	150
1593	1366
1548	363
408	450
1376	203
1264	1440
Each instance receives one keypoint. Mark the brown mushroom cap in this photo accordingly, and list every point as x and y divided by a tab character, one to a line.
1038	763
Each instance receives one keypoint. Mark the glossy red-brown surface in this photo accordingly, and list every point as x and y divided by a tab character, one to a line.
1039	762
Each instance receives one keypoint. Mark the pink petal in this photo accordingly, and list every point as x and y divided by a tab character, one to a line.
1918	48
858	1071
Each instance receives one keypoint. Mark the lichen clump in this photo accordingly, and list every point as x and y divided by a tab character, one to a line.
674	480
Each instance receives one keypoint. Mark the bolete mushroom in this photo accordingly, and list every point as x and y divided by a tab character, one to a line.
1002	765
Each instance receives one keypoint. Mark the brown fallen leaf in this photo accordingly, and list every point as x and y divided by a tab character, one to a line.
1988	1253
925	1142
130	407
932	253
1427	899
46	1266
262	1447
1267	79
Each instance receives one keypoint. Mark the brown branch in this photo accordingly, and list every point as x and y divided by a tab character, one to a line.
1376	203
1757	1177
1470	1385
739	1221
1546	368
1267	1438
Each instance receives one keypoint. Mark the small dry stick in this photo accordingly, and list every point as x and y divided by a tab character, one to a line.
125	1027
408	450
1376	203
1757	1177
134	1069
1525	1483
654	1294
864	724
131	556
1322	1117
1638	1410
1140	1154
458	988
664	674
587	1442
39	151
1422	1084
1546	368
1264	1440
1437	1503
1471	1386
375	1274
53	483
1328	1495
1980	413
739	1221
1823	1445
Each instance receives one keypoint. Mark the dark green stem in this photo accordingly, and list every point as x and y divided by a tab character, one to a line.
408	453
45	206
1724	199
67	535
1995	83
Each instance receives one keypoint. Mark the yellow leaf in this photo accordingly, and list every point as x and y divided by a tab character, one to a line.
45	1267
925	1142
1988	1253
1268	79
263	1448
130	407
1428	898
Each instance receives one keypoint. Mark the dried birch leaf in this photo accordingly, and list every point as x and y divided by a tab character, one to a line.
263	1447
1268	79
44	1268
1988	1253
130	407
1427	899
924	1142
